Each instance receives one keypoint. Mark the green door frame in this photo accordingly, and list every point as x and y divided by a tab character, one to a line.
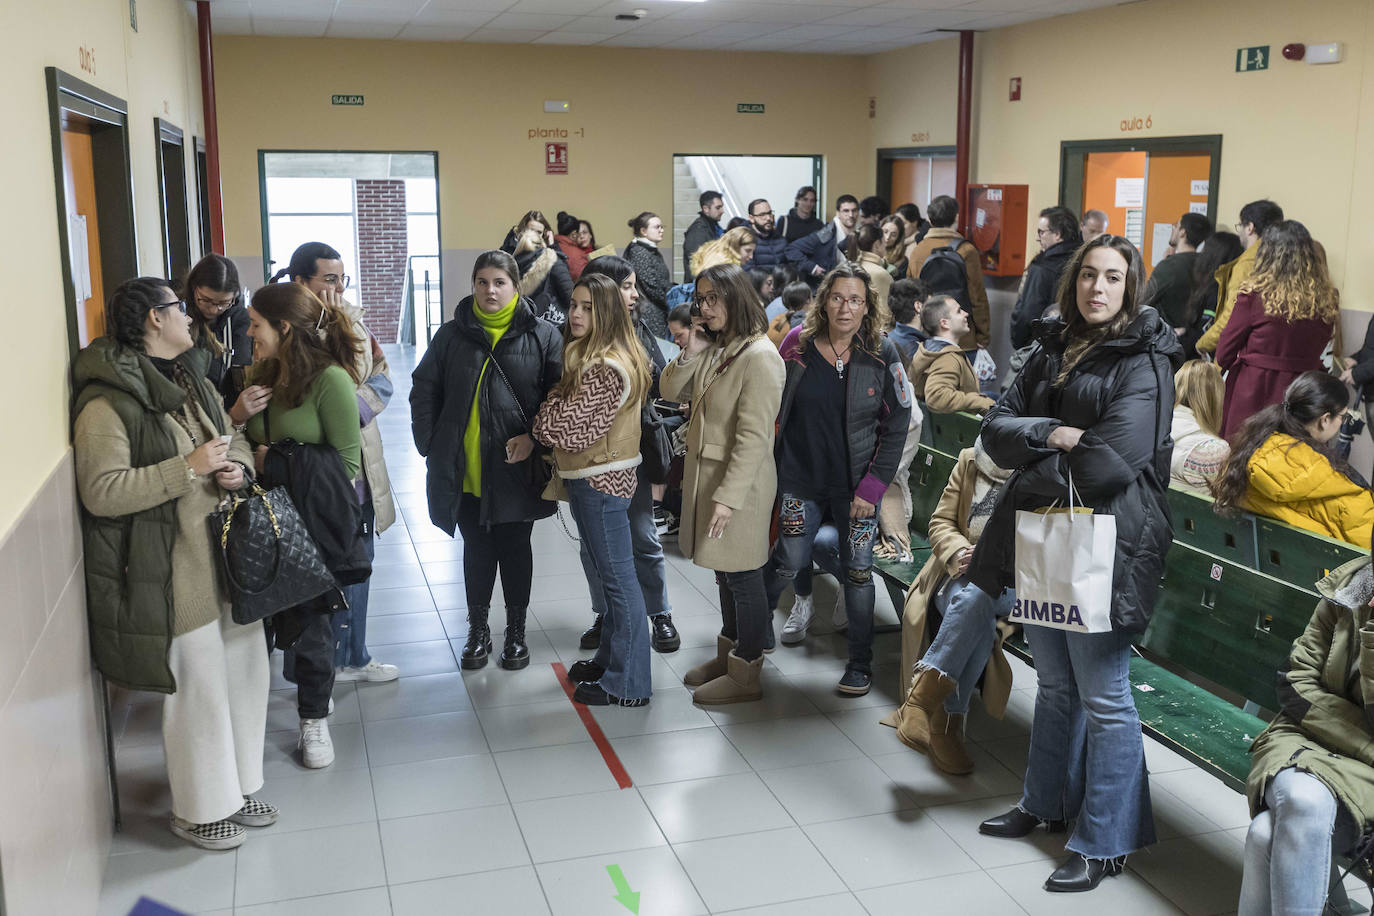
1073	153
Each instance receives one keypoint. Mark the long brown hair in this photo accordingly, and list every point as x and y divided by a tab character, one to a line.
213	272
610	337
316	336
744	314
1198	386
1079	337
817	323
1290	275
1309	397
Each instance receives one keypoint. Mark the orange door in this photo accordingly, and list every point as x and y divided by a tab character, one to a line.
78	174
910	182
1173	179
1110	184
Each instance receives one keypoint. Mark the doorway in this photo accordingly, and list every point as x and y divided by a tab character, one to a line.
739	179
380	211
203	197
95	206
1143	186
915	175
171	188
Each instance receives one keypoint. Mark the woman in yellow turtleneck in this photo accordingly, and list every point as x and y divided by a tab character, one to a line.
474	396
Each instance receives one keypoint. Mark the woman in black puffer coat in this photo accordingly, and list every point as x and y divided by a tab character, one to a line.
1094	398
544	277
473	399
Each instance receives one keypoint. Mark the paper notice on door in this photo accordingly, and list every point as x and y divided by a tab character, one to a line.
1198	188
80	255
1160	233
1198	206
1135	227
1130	192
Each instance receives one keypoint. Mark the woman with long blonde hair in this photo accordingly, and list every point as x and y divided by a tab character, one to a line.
1283	319
1199	450
591	420
734	247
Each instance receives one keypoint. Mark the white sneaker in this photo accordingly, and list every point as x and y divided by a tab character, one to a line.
794	631
317	748
840	618
374	672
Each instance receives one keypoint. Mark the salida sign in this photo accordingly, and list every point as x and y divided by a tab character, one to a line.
555	158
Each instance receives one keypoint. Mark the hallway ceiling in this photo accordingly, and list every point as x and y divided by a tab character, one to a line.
802	26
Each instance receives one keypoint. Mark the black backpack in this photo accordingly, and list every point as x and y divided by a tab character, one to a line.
944	274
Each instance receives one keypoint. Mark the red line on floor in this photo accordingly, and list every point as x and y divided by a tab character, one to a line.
599	738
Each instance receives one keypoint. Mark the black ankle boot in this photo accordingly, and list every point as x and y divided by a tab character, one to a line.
1080	873
478	647
663	636
1017	823
516	654
591	637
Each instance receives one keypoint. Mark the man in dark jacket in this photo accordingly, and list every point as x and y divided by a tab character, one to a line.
904	301
1171	282
770	249
818	253
1059	239
703	229
801	220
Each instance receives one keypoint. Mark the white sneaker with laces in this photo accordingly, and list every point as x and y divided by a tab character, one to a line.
794	631
317	748
374	672
840	618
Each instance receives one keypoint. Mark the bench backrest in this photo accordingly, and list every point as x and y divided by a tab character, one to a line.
1297	555
1198	525
951	433
930	471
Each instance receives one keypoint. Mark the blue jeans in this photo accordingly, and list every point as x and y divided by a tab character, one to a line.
1288	848
825	553
1087	758
961	648
603	521
650	567
350	626
800	521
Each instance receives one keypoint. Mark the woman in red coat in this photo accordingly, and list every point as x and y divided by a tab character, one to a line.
1281	323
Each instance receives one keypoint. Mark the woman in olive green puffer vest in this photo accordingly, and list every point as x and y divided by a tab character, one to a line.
1311	785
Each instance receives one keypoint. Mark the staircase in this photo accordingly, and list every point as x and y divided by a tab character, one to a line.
685	209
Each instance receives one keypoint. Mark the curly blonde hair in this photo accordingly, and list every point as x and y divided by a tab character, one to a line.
1290	275
817	322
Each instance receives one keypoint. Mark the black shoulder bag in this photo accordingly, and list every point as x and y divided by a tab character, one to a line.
539	470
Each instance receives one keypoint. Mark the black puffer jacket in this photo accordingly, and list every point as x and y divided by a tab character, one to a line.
1038	290
231	330
444	384
1121	395
546	281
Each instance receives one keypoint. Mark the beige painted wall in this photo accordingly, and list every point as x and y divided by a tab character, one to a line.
1302	135
476	104
155	71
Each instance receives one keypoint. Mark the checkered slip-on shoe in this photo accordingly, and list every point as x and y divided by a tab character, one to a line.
255	813
219	835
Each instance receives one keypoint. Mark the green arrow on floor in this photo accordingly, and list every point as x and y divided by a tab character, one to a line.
628	898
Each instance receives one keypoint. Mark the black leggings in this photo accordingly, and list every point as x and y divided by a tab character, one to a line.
505	546
744	611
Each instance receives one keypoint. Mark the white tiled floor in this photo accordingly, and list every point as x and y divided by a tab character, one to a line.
482	792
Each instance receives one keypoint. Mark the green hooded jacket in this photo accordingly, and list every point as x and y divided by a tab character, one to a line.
128	559
1325	726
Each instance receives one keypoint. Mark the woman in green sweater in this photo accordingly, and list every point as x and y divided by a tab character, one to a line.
305	352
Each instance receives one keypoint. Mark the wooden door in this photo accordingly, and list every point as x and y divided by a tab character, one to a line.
78	174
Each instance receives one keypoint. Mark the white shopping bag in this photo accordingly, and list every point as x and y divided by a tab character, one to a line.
1064	563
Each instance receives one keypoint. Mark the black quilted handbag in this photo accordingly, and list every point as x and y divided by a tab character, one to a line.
270	562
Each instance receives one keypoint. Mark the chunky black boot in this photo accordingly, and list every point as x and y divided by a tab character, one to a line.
591	637
663	636
478	647
516	654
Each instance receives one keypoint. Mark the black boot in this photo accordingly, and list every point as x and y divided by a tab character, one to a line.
663	636
478	647
516	654
1080	873
1017	823
591	637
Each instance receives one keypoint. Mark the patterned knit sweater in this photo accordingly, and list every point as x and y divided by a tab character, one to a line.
574	425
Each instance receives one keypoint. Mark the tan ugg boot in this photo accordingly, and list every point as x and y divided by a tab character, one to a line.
931	689
947	750
913	716
709	671
913	726
739	684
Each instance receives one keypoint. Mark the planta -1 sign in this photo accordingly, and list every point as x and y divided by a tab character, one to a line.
343	99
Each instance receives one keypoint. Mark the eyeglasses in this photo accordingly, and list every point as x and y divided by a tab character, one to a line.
763	214
707	299
343	282
218	305
179	305
851	302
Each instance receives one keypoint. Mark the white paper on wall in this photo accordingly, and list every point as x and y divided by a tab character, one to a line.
1198	206
1130	192
1160	233
80	256
1135	227
1198	188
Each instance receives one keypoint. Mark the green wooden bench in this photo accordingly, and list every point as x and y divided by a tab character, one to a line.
1298	555
1198	525
951	433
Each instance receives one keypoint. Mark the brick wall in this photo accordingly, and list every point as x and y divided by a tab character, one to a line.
381	216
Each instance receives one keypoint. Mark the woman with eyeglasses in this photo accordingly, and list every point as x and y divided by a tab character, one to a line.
154	455
219	322
731	373
841	430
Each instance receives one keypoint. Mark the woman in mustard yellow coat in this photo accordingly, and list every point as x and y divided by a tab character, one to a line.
1281	467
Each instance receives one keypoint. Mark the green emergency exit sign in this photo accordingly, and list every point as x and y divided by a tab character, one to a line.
749	108
1248	59
340	99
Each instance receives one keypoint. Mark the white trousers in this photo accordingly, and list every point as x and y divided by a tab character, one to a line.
214	726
